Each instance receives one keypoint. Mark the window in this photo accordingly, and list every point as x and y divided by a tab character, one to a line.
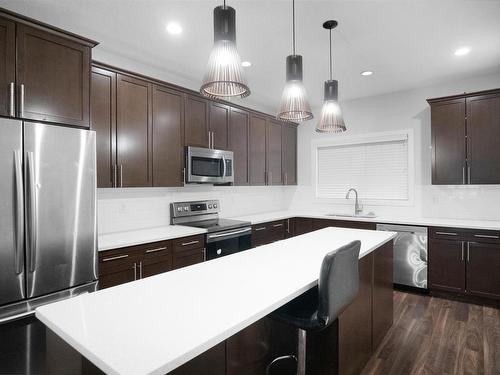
377	166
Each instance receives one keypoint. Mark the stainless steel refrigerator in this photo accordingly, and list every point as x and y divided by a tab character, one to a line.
48	242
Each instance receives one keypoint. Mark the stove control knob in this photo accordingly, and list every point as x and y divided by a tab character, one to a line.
215	205
219	252
179	209
185	208
209	206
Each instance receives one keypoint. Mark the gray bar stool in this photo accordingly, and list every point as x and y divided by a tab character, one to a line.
319	307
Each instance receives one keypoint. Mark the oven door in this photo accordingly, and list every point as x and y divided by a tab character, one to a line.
228	242
209	166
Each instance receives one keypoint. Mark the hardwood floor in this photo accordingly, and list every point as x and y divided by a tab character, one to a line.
437	336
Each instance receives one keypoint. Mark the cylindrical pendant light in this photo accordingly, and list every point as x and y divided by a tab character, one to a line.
294	104
224	76
331	119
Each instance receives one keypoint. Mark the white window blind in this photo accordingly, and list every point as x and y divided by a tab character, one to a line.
377	169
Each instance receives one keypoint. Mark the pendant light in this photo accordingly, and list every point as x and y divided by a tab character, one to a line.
224	77
331	120
294	104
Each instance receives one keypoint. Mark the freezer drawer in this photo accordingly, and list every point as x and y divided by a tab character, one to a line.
60	188
11	212
410	255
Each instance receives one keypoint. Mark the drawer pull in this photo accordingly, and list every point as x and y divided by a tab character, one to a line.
115	258
259	229
446	233
277	225
155	250
190	243
486	236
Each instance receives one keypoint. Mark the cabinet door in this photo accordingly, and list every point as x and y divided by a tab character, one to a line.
289	154
257	148
218	124
157	258
238	143
103	121
303	225
273	153
382	307
55	73
7	64
448	142
483	265
168	126
196	122
446	265
133	132
483	133
117	267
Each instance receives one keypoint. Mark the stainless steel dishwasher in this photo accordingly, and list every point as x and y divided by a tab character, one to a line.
410	255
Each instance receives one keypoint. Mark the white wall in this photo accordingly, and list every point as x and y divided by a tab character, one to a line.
129	209
395	111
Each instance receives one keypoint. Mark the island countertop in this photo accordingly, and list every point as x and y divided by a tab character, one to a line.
154	325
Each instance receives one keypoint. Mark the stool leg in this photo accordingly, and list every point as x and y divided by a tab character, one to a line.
301	353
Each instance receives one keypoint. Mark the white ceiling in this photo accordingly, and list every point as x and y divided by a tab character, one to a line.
407	43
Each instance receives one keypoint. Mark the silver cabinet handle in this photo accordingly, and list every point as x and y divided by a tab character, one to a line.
12	100
213	139
135	271
33	224
21	100
277	225
286	178
140	269
446	233
155	250
463	174
463	245
486	236
184	176
209	139
288	225
259	229
468	251
468	174
115	176
114	258
19	210
189	243
121	175
204	254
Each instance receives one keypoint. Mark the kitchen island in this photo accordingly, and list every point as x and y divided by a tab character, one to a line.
156	324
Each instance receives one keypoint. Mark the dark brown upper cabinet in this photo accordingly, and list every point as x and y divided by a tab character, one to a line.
483	133
273	153
168	127
134	131
257	149
218	125
238	143
103	121
448	142
53	77
196	112
7	67
289	153
464	130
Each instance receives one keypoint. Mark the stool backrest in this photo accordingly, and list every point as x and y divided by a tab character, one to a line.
338	282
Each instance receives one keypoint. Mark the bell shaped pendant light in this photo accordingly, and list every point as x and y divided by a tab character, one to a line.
331	120
294	104
224	77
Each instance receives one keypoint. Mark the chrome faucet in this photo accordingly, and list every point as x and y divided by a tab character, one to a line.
357	208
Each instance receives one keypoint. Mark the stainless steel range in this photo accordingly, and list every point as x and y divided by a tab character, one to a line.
223	236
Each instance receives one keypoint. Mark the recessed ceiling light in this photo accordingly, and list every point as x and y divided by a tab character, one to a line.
462	51
246	64
367	73
174	28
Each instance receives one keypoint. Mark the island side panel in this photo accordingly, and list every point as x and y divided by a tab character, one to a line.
383	313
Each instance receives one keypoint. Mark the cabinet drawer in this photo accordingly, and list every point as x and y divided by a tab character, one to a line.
117	260
442	233
156	251
484	236
468	235
276	230
188	257
180	245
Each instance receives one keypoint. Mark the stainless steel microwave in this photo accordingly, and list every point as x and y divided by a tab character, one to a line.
209	166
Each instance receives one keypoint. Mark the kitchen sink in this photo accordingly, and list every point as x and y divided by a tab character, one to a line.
369	215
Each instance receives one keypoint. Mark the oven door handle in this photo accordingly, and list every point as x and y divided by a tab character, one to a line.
228	234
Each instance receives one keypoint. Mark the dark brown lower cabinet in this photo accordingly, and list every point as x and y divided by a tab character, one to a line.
483	269
447	265
188	250
302	225
269	232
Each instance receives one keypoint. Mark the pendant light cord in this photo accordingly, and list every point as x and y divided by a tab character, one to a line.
331	58
293	26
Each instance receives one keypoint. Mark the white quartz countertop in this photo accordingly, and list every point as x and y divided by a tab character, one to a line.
423	221
136	237
154	325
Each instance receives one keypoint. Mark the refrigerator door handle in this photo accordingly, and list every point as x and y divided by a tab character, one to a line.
32	213
19	211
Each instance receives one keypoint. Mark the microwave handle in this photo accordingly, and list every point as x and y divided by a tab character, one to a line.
224	166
